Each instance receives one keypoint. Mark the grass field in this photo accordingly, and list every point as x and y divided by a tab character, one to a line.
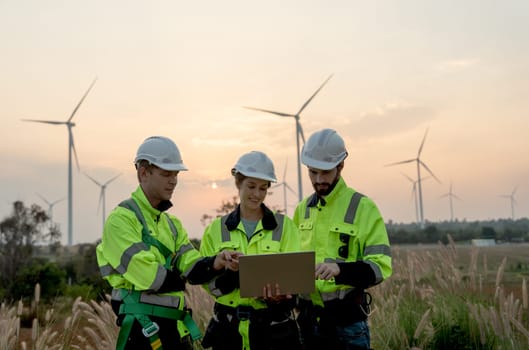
439	297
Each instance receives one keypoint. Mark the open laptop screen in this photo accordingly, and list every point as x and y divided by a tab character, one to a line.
294	272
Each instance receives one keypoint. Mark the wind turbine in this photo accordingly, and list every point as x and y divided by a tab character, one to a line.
419	163
513	201
285	186
71	147
451	195
414	194
299	131
102	200
50	205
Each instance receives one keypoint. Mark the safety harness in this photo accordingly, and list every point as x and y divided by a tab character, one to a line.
132	306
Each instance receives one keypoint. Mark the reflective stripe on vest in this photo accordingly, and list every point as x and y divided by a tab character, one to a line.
155	299
351	209
146	236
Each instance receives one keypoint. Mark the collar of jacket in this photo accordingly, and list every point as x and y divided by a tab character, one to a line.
141	199
314	198
268	220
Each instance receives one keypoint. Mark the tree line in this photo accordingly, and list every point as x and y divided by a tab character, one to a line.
30	250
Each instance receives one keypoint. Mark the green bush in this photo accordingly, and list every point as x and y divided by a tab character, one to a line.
50	277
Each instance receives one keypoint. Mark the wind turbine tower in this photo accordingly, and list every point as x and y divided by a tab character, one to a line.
420	164
285	186
513	201
299	131
414	194
102	199
71	149
450	196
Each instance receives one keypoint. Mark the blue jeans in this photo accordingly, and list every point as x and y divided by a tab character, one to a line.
353	336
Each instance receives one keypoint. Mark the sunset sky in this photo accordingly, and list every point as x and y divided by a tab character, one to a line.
186	69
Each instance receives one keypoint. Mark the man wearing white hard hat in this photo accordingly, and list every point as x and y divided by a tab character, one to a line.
349	236
146	256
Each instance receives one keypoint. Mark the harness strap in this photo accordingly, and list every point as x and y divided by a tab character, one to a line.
146	236
133	309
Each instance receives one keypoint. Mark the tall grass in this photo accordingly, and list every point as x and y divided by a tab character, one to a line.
432	301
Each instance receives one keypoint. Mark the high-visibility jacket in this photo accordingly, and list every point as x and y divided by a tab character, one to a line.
344	227
274	233
127	262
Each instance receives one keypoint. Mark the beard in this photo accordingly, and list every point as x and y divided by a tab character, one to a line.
324	188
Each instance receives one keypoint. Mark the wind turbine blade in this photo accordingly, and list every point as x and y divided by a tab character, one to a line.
58	200
271	112
409	178
44	199
72	144
314	94
285	171
276	185
422	143
112	179
402	162
290	189
91	178
428	169
54	122
82	99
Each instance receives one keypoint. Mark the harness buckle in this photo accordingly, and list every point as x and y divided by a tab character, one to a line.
243	314
150	330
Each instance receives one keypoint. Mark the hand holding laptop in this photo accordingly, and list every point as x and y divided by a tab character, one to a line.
227	259
274	294
326	271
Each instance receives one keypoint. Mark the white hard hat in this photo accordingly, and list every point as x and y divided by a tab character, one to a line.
255	164
324	150
162	152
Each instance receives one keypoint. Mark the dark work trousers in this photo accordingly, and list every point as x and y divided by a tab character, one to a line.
224	335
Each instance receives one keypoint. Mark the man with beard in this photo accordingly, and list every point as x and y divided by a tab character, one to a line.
349	236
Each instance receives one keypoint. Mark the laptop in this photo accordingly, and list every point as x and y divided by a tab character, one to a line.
294	272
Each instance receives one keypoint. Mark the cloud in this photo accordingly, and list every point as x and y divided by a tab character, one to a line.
456	64
389	119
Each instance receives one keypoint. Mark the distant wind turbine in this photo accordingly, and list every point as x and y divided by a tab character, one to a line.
513	201
285	186
450	196
299	131
419	163
71	148
50	205
102	199
414	194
